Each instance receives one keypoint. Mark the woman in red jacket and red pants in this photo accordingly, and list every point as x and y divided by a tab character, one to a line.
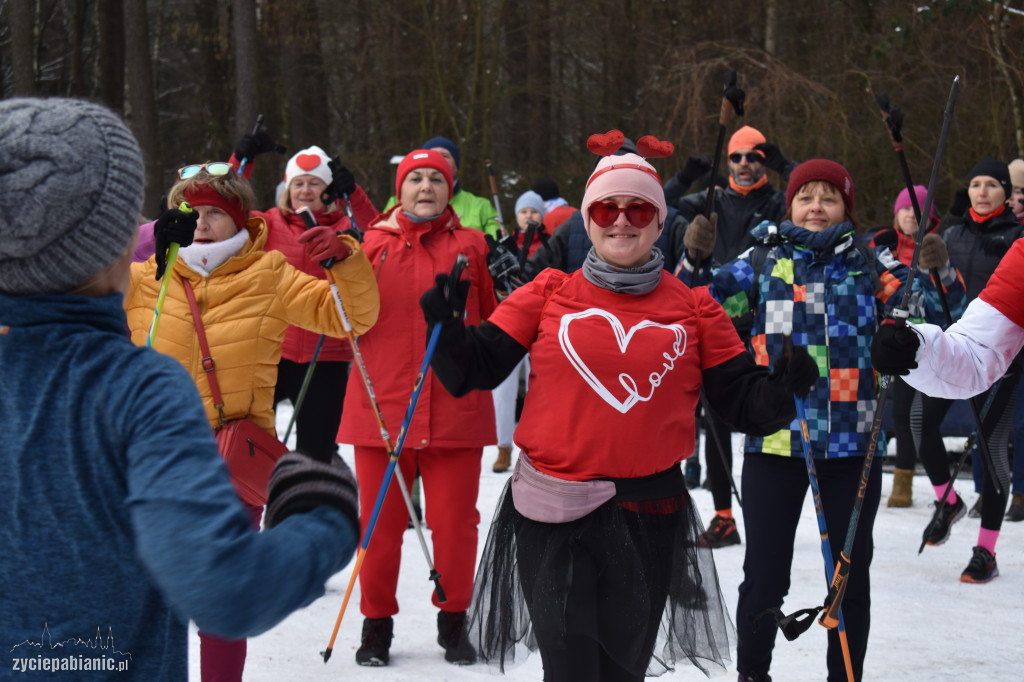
409	246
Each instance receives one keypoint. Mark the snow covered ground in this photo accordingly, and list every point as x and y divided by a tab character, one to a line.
926	623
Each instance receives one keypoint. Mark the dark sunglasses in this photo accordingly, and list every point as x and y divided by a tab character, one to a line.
751	157
216	168
639	215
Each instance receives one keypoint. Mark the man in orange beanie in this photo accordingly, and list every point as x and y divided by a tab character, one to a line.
749	200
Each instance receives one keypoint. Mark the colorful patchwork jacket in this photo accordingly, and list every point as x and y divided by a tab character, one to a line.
818	286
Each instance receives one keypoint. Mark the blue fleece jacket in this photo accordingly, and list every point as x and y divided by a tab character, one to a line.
117	518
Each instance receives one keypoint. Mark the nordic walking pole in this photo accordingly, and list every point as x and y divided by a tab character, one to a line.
732	101
718	444
829	618
826	549
310	221
494	195
893	119
172	256
435	333
305	387
255	129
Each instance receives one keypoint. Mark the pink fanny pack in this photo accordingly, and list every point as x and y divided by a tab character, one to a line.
548	499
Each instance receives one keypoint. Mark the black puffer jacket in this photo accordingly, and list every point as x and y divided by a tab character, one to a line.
975	249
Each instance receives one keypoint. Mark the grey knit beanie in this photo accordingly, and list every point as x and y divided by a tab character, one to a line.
71	183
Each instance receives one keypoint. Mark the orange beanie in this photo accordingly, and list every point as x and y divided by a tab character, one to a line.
745	138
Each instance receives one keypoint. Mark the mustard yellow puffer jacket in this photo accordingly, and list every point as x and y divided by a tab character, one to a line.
246	305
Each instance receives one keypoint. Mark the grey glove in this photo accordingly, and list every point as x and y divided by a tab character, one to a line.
300	483
699	238
933	253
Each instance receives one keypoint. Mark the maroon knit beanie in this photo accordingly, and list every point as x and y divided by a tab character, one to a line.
824	170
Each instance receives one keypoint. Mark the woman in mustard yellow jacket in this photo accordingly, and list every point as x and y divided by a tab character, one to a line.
247	297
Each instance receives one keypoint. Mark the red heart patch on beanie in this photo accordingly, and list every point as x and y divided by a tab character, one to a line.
606	144
651	147
307	162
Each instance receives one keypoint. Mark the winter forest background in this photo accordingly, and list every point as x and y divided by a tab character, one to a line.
524	82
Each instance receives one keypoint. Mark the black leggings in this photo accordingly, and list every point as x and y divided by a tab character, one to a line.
719	462
316	426
774	490
917	419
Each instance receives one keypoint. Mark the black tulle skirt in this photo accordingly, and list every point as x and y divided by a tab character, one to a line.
629	576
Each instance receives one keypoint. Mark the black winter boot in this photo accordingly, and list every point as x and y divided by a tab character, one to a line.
375	650
452	637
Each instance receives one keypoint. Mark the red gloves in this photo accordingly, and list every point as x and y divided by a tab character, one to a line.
322	244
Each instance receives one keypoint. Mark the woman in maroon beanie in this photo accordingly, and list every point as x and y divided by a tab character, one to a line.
815	286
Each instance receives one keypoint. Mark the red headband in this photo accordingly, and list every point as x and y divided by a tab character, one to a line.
207	195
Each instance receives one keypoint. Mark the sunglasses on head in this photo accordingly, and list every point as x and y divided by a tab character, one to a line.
216	168
751	157
639	215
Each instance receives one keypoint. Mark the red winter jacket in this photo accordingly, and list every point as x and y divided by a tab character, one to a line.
406	257
283	230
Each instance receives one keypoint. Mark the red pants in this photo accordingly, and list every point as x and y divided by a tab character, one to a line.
222	660
450	483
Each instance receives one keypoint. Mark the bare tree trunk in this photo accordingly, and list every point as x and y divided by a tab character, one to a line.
23	66
771	10
247	95
143	120
996	26
112	39
332	25
76	86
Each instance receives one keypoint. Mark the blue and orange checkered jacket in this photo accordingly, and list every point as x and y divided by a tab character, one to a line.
818	287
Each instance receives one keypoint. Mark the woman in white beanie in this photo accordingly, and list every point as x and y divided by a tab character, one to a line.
307	175
592	556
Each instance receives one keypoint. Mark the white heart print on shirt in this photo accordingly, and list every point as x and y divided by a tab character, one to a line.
674	351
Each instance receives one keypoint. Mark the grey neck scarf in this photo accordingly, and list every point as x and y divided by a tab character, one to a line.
637	281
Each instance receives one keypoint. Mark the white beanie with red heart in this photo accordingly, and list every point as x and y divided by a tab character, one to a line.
309	161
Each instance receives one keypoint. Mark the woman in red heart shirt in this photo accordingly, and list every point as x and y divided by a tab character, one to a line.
306	176
592	556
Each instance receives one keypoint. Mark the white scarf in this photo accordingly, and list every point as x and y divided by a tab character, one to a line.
205	258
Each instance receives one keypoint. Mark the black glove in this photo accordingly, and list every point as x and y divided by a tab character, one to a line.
251	146
696	166
441	303
300	483
173	225
887	237
773	158
961	202
344	182
797	372
893	118
734	93
894	349
503	262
